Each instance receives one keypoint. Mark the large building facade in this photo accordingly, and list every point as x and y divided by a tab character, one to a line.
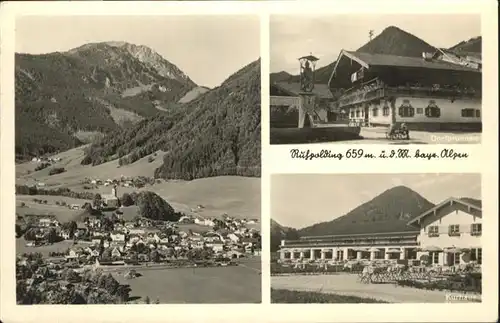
434	92
448	234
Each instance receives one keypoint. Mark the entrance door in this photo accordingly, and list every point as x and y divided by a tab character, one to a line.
367	116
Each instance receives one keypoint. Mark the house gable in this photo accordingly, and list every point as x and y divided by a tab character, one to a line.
445	208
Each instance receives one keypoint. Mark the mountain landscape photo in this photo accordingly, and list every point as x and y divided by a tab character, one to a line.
124	161
389	211
391	41
359	238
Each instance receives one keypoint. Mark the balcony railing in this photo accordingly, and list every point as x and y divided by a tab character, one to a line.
376	89
372	89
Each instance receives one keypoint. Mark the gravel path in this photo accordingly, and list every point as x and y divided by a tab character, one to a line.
345	284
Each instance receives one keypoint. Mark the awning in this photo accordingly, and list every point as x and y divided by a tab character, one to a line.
373	249
432	249
393	251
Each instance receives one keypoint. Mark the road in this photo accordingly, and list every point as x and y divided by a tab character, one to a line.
346	284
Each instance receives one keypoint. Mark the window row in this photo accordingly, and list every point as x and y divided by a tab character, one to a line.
409	112
454	230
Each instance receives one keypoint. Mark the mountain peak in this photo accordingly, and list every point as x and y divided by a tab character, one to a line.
387	212
395	41
143	53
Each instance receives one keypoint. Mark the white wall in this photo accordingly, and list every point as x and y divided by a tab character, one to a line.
448	215
451	112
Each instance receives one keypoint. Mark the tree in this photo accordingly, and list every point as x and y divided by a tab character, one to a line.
97	201
147	300
154	207
52	236
123	292
154	256
30	235
110	284
127	200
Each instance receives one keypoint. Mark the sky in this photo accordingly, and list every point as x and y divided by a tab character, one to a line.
207	48
292	37
300	200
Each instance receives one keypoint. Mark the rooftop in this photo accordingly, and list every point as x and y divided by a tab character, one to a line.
403	61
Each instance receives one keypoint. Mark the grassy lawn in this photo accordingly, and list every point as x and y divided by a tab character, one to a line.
213	285
62	213
44	250
288	296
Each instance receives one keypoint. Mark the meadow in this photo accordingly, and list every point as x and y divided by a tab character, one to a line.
234	284
233	195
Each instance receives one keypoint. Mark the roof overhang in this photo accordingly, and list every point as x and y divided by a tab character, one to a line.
287	91
449	201
343	53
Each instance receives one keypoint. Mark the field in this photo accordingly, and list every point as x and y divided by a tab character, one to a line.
347	284
238	284
62	213
236	196
44	250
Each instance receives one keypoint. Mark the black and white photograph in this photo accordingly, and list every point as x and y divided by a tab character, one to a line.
376	79
376	238
137	151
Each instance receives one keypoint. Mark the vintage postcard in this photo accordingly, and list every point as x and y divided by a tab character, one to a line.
260	161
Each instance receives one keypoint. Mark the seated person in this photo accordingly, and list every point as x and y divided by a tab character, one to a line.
404	130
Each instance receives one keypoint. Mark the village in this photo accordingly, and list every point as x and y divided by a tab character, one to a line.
103	238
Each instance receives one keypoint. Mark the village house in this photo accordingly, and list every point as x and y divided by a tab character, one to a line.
136	231
117	236
434	92
186	220
111	200
46	222
234	237
65	234
72	254
96	241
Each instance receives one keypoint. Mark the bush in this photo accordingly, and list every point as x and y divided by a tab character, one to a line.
469	283
57	170
127	200
288	296
42	166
